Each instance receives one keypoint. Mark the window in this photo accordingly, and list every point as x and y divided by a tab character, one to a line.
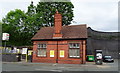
74	50
74	45
41	50
41	45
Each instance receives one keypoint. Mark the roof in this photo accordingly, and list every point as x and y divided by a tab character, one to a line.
68	32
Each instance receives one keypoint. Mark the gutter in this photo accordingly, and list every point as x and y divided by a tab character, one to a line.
58	39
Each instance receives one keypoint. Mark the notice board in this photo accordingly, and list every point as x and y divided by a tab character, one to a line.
62	53
51	53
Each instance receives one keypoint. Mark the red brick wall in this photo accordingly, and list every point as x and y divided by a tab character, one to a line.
57	25
62	45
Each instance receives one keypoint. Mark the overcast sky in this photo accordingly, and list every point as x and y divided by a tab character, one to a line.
100	15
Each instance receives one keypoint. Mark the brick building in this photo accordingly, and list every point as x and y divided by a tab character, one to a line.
60	44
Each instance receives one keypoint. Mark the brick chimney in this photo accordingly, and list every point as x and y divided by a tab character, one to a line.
57	25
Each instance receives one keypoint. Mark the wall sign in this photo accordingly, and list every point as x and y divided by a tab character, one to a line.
30	52
5	36
51	53
99	55
24	50
62	53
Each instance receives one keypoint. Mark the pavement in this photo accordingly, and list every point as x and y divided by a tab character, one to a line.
89	66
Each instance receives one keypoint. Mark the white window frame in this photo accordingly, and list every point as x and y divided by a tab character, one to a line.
73	46
41	47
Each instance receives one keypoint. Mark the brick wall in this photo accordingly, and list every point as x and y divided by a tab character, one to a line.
57	46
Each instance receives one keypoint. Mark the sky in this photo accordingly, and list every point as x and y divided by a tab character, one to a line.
100	15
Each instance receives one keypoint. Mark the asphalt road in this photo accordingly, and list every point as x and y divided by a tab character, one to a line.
89	66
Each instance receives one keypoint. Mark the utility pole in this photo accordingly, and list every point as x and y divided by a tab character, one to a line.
5	46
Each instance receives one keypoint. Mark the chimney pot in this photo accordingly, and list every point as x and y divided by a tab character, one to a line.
57	12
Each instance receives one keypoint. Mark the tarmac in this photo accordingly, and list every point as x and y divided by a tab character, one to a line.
28	66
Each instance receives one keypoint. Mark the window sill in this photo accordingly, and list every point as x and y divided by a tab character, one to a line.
42	56
74	57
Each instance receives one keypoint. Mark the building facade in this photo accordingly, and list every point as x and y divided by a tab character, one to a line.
60	44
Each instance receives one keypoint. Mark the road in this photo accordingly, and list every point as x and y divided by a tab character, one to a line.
89	66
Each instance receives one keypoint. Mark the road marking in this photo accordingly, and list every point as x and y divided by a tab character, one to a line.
56	70
41	69
103	66
61	67
49	70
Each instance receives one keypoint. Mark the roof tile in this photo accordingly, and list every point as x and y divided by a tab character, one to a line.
68	32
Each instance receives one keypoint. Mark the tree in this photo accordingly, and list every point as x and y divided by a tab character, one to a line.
31	19
22	26
48	9
31	9
42	15
54	0
14	24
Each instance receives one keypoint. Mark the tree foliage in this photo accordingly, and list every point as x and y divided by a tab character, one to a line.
32	19
23	25
15	24
48	9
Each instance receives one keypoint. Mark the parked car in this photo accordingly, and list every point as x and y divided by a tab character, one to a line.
108	59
